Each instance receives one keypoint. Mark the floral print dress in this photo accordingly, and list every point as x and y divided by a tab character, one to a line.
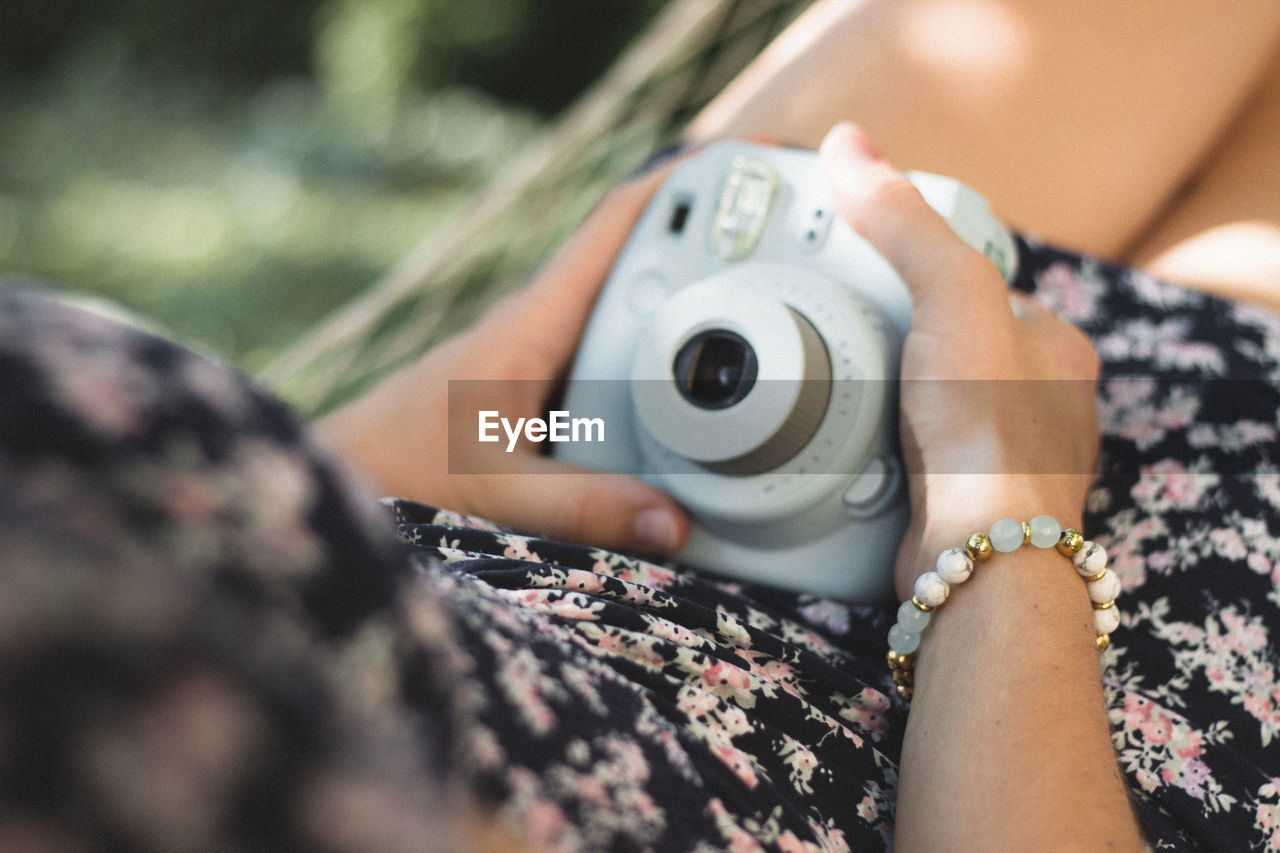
211	639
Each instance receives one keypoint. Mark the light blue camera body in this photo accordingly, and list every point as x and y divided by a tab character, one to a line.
744	356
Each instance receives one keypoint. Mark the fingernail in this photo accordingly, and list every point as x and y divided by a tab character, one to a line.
657	529
847	140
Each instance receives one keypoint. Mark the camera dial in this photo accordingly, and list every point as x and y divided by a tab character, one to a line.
751	377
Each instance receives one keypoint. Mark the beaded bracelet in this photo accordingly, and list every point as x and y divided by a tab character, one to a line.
954	566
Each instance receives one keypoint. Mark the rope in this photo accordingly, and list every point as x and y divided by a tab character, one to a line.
687	54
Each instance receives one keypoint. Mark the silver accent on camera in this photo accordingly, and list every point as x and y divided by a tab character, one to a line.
744	206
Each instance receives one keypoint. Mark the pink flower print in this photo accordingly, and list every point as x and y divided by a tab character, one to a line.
802	762
1129	393
576	607
635	571
645	652
1190	744
1260	705
1179	411
638	595
517	548
1169	484
1191	355
828	615
739	762
611	643
734	721
738	839
788	843
780	673
1189	775
1216	673
1068	294
586	582
695	703
1228	543
867	809
1245	635
1137	711
592	790
732	632
1163	562
1157	728
729	682
665	629
866	710
629	760
1267	817
1126	557
743	842
1266	482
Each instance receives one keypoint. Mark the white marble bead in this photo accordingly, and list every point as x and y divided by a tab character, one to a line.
902	641
954	565
932	590
1006	535
1104	589
1045	531
1106	621
1091	559
913	618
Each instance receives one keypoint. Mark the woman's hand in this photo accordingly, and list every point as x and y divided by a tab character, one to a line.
997	404
398	434
1007	745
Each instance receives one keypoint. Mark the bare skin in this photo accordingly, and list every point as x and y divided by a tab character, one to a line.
1141	132
1007	684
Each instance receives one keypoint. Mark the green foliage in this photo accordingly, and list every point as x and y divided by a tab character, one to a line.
237	168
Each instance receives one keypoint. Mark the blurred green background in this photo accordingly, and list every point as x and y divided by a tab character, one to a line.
235	169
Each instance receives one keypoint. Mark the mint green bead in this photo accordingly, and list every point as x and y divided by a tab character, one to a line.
1006	535
1045	531
913	618
902	641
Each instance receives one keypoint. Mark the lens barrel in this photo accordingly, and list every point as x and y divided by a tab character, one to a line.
715	369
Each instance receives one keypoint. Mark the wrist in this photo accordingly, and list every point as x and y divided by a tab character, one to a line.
947	509
1042	536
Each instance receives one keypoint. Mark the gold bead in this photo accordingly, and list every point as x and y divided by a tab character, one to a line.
1070	542
920	605
1104	640
1099	576
1026	533
979	547
904	692
1106	605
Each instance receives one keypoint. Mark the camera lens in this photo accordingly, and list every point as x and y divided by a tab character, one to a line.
715	369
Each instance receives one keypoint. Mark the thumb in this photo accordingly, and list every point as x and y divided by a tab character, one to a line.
950	282
557	500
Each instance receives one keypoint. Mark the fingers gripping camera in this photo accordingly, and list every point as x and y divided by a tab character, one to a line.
744	353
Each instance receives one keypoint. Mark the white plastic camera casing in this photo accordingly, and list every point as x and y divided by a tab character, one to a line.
786	487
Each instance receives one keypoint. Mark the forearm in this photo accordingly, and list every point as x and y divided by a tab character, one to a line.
1007	745
996	93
